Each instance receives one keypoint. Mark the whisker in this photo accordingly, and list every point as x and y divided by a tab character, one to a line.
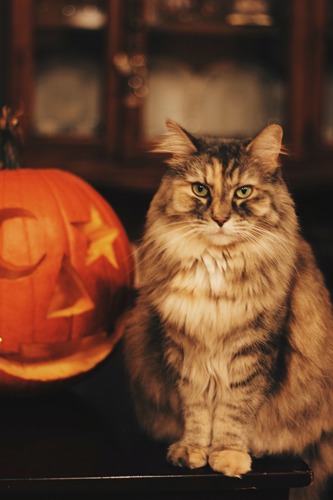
261	239
171	228
179	225
265	240
193	232
274	238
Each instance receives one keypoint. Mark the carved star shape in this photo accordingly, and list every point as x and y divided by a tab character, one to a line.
100	238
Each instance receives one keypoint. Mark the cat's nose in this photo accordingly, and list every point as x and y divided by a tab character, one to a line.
220	220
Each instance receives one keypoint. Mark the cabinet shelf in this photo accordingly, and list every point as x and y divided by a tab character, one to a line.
56	14
214	29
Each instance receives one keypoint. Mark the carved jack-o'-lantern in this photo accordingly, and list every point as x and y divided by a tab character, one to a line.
65	270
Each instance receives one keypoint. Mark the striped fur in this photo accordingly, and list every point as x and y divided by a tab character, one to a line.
229	347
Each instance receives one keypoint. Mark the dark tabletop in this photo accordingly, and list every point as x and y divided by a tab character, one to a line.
84	441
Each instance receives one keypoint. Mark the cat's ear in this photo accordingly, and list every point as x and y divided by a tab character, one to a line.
267	145
177	141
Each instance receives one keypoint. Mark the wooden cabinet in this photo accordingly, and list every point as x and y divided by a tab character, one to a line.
97	79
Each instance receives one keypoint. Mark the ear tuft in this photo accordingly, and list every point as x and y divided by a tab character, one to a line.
177	141
267	144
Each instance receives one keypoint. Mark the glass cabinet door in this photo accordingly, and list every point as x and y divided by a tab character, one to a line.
69	54
216	67
63	79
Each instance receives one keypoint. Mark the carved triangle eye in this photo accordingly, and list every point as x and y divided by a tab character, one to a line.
70	296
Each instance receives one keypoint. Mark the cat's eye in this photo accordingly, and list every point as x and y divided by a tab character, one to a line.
243	192
200	190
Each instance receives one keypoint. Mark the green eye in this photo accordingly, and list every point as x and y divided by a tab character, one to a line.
200	190
243	192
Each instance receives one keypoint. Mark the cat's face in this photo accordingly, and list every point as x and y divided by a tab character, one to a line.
225	191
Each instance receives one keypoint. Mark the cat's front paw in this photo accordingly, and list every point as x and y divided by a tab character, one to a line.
187	455
231	463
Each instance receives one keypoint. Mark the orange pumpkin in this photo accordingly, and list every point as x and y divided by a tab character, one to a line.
65	273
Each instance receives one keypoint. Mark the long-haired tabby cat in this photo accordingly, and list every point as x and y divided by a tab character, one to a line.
229	346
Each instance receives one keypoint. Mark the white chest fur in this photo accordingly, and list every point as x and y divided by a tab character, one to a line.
200	300
204	276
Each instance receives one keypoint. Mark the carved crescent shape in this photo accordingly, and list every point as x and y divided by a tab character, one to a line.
8	270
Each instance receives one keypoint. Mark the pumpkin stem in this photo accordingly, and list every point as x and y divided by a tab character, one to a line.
10	134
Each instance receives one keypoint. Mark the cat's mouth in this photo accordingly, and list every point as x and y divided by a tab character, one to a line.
221	234
229	233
